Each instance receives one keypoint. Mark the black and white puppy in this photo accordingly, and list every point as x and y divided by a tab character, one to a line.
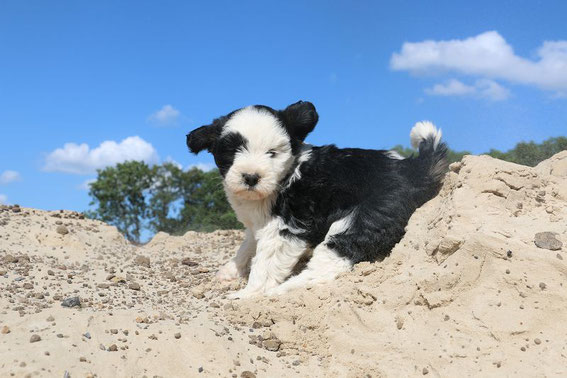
341	206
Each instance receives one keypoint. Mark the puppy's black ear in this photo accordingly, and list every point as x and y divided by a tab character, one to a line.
300	119
205	136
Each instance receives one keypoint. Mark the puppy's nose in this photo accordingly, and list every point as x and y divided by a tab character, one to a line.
251	180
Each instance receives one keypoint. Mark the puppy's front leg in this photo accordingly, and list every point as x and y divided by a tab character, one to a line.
239	265
276	255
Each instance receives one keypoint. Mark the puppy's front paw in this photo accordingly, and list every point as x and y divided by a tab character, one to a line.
228	272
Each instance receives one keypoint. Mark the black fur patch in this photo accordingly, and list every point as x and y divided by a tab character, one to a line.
378	193
225	149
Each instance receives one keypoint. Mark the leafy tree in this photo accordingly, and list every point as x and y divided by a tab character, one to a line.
530	153
120	193
135	197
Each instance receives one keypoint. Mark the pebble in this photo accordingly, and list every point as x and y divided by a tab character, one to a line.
547	240
113	348
87	335
35	338
187	261
542	285
425	371
50	318
142	261
71	302
134	286
537	341
272	345
5	330
62	230
198	292
200	369
177	335
247	374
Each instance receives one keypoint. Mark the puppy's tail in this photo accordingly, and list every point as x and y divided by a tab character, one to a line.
432	159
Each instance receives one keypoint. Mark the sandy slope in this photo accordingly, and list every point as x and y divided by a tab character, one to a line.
466	293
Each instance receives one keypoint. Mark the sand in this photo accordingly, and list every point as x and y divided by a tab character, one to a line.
477	287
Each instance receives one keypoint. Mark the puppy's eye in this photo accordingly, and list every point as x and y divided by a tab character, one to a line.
272	153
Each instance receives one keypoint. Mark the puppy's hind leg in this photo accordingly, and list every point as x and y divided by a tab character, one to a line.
239	265
324	266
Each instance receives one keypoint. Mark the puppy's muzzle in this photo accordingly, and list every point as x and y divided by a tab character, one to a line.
251	179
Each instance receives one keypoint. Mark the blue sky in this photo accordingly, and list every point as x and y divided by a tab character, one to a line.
129	79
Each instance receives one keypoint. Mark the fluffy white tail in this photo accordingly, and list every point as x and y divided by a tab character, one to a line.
422	131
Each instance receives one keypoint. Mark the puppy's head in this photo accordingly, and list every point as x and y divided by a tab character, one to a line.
255	147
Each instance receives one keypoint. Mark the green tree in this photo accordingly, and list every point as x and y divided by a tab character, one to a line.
120	194
135	197
531	153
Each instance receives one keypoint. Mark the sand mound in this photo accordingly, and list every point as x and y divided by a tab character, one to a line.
466	292
476	287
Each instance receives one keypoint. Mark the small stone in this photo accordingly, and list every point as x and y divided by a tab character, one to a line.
87	335
83	359
537	341
187	261
200	369
113	348
50	318
62	230
114	331
118	279
247	374
71	302
142	261
547	240
509	254
134	286
177	335
28	286
425	371
5	330
399	322
198	292
542	285
35	338
272	345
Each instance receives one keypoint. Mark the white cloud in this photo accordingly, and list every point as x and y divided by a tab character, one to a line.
3	199
9	176
167	115
80	159
487	56
483	88
451	88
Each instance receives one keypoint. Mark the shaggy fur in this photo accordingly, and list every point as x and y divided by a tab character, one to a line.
342	206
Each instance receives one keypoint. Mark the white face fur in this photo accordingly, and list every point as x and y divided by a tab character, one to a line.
266	156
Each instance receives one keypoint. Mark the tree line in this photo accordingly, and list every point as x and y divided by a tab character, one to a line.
138	198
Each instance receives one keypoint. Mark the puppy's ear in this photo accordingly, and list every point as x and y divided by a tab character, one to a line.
300	119
205	136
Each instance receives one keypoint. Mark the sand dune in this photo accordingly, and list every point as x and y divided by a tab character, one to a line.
477	287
